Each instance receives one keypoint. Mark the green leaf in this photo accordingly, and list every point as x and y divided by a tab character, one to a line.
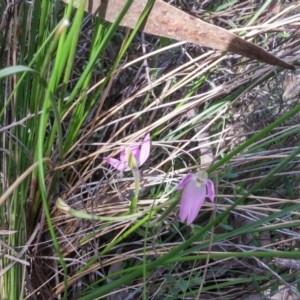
288	185
170	278
14	70
183	285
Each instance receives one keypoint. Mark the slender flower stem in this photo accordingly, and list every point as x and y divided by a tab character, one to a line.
133	205
165	214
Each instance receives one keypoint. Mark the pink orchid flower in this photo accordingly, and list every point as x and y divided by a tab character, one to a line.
195	188
140	154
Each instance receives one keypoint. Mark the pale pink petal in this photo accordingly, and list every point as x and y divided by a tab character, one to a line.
119	165
187	178
136	154
134	150
191	202
145	149
140	153
123	156
210	190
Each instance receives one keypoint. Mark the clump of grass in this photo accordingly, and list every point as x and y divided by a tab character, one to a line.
75	95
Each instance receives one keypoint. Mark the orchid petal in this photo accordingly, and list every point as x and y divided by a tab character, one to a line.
134	150
145	149
186	179
136	156
191	202
119	165
210	190
136	153
123	156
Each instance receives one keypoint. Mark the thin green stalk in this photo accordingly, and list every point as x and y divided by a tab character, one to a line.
43	193
260	145
250	228
74	126
134	201
248	254
61	205
254	138
44	119
164	215
264	253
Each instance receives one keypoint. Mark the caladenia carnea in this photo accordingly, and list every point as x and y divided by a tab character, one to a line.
131	158
140	154
195	188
